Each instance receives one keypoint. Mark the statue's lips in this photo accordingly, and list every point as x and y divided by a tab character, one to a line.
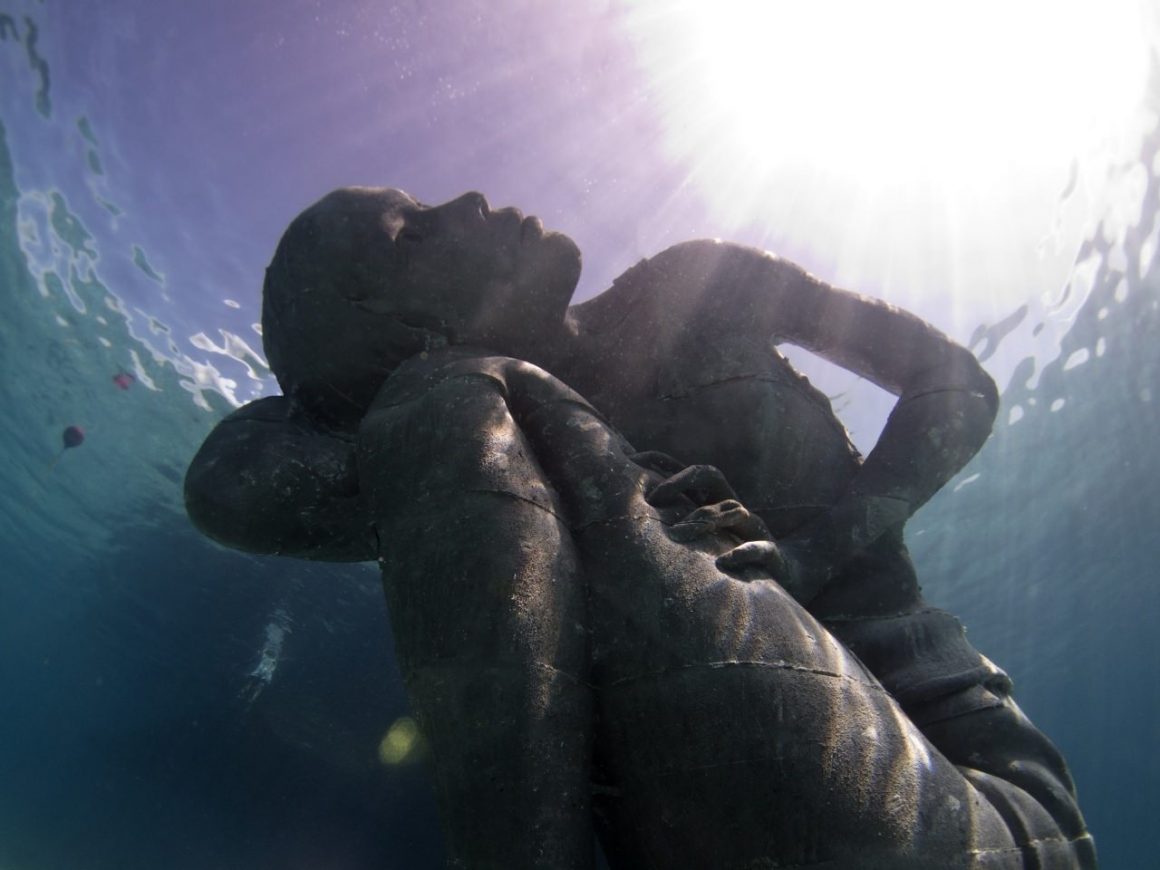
531	228
509	224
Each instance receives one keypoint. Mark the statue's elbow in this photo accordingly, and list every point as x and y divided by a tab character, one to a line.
251	500
963	372
216	503
988	391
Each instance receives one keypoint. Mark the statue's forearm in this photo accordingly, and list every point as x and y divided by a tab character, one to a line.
927	439
936	427
943	416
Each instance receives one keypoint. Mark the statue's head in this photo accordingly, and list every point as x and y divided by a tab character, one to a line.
367	277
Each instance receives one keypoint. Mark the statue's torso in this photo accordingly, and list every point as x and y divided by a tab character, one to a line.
745	410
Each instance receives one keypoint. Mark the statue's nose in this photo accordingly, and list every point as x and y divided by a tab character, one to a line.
471	205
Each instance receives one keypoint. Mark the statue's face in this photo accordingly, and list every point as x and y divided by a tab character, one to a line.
365	277
479	273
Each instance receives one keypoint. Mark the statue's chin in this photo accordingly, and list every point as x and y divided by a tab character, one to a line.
548	278
566	255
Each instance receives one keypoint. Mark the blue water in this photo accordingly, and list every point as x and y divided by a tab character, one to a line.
168	703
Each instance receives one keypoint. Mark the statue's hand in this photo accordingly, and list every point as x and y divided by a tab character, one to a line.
716	508
797	567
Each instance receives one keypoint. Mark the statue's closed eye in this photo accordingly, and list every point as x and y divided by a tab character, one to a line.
406	241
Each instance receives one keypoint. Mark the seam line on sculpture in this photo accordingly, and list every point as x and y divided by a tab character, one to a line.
572	678
728	379
616	519
511	495
1018	849
806	392
932	391
776	665
517	497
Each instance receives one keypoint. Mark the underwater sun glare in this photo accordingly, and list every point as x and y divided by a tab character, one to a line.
890	94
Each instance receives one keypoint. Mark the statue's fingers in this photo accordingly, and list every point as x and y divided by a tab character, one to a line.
703	484
708	520
655	460
763	555
725	516
751	527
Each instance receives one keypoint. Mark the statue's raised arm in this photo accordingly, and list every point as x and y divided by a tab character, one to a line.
710	312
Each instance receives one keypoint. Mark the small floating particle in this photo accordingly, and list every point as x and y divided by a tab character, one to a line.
72	436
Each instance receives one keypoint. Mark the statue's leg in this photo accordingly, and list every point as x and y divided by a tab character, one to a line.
959	700
733	730
488	611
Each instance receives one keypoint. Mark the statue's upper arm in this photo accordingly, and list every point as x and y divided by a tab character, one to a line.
736	293
443	427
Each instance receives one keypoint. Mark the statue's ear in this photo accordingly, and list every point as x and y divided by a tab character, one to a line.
267	481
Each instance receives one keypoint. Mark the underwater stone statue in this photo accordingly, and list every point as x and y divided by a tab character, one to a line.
641	583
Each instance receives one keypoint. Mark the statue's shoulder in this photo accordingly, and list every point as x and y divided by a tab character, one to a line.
694	262
684	279
695	313
269	409
707	260
428	376
703	290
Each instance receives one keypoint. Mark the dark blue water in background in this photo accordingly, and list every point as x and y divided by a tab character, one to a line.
132	731
126	739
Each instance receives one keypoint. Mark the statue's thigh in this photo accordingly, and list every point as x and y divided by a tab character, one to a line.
733	729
